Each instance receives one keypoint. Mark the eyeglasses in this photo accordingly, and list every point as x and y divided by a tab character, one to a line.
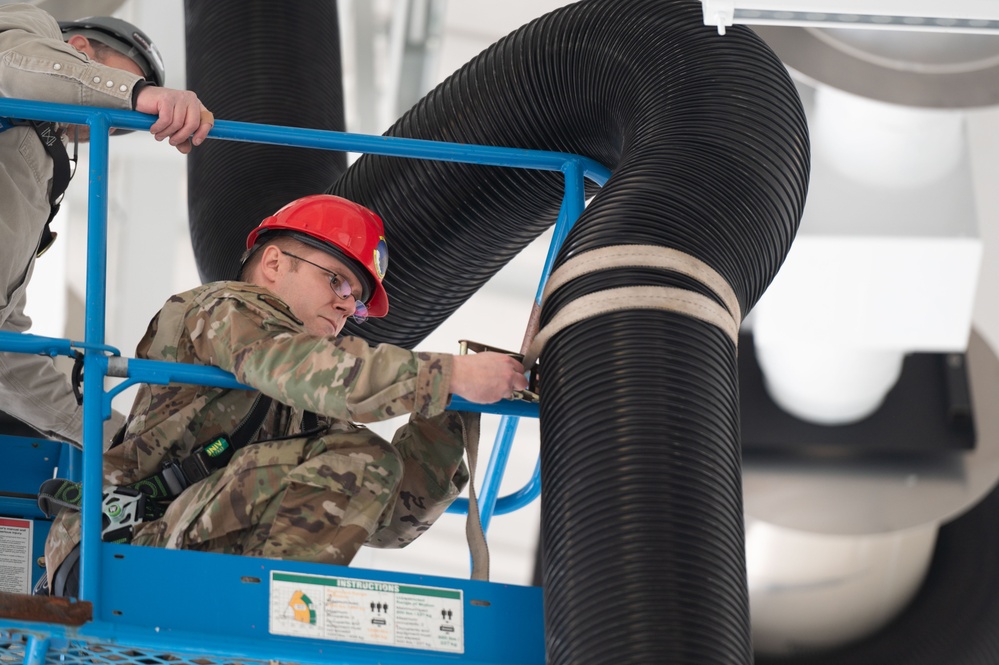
340	287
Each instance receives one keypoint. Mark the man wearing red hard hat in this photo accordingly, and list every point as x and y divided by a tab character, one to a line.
284	471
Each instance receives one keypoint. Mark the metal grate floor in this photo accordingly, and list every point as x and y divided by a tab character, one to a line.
14	648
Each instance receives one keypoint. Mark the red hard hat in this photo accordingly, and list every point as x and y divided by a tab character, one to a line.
345	230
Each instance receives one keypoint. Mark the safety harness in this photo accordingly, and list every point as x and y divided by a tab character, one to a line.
50	136
126	506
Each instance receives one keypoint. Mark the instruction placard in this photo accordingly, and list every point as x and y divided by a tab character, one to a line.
367	611
15	554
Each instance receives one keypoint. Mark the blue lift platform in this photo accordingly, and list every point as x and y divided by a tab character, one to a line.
150	606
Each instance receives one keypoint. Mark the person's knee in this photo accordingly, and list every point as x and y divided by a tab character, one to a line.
65	580
385	468
370	465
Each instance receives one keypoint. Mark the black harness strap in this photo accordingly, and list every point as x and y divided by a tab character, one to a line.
162	487
49	135
208	458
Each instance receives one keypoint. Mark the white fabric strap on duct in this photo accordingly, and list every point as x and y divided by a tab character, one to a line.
728	318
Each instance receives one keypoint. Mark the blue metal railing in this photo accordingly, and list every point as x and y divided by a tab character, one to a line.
100	360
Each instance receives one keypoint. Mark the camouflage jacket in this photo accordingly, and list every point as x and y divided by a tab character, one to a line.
249	331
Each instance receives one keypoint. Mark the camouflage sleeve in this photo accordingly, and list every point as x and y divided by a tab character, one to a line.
433	477
253	335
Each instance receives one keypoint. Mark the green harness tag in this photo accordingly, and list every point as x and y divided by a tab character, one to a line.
218	447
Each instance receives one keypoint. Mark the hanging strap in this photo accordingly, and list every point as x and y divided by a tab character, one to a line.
474	533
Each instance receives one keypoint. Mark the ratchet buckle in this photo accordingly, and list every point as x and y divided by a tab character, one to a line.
528	395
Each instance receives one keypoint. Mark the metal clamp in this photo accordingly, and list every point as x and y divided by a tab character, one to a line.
528	395
173	476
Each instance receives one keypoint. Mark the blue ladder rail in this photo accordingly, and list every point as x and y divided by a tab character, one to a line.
209	608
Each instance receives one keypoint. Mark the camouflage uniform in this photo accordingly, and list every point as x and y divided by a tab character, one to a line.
313	496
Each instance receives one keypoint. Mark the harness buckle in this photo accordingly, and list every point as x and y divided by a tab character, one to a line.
201	463
206	459
174	477
122	510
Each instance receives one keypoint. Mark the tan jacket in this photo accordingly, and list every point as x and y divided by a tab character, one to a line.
36	64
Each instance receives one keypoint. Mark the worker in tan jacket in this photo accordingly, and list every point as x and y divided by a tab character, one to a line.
98	61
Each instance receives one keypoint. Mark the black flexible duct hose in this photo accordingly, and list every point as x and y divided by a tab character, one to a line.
267	62
642	510
596	107
954	615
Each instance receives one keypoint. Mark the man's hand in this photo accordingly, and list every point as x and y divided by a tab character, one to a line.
486	377
182	117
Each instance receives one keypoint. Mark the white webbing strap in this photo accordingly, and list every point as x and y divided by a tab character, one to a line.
645	256
728	318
